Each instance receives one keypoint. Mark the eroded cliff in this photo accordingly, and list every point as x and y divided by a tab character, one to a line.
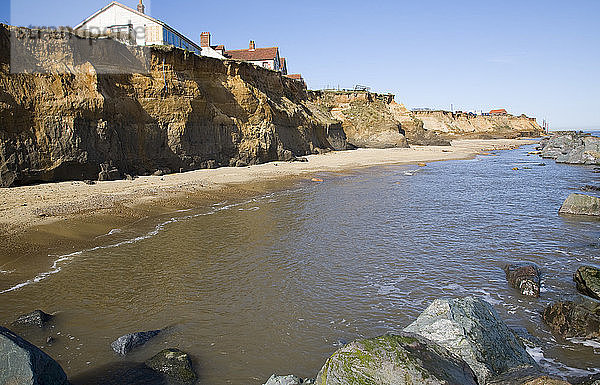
75	117
376	120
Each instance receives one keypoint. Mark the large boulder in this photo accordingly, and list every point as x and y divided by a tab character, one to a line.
587	279
581	204
578	318
471	329
525	277
128	342
395	360
572	147
290	379
35	318
175	364
22	363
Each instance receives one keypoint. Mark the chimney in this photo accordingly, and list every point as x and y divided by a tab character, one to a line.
141	8
205	39
252	45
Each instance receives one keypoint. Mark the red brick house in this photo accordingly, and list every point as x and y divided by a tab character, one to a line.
501	111
264	57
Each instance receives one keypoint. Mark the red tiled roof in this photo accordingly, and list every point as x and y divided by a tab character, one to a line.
500	111
219	47
257	54
295	76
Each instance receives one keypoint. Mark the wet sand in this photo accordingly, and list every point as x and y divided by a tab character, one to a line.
67	215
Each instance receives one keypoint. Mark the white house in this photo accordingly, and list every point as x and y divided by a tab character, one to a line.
135	27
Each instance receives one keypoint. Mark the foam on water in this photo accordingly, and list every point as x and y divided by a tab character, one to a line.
556	368
63	260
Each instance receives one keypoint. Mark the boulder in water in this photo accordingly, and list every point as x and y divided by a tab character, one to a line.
579	318
581	204
128	342
525	277
175	364
395	360
587	279
23	363
471	329
35	318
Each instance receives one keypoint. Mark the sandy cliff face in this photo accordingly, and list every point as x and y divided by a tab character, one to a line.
366	117
373	120
452	125
186	112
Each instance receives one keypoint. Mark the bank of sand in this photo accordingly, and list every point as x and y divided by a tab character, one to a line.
74	212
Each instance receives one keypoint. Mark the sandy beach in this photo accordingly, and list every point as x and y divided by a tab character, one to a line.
27	206
69	214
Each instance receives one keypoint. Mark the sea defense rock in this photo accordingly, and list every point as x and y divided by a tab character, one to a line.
128	342
579	318
175	364
572	147
471	329
23	363
290	379
395	360
587	279
580	204
525	277
35	318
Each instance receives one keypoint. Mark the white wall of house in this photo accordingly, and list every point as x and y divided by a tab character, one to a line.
208	51
116	15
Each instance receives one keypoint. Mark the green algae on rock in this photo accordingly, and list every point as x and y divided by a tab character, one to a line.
394	360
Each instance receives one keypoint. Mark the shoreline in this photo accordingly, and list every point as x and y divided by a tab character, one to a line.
69	215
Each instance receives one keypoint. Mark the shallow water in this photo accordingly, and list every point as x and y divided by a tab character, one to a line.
278	282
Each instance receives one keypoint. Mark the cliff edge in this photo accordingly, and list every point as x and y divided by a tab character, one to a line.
72	118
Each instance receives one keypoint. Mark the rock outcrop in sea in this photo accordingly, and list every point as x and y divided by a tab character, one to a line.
577	318
581	204
471	329
571	147
23	363
525	277
128	342
395	360
587	280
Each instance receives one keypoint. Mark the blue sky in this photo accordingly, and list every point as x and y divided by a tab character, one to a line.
539	57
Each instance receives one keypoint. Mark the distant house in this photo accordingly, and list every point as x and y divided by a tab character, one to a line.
264	57
135	27
216	51
283	65
501	111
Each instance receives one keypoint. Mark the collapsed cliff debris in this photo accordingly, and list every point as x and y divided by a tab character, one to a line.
571	147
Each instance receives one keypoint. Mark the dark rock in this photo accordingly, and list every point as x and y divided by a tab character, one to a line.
395	359
587	279
525	337
89	181
35	318
579	318
580	204
525	277
128	342
108	172
300	159
120	373
471	329
129	177
589	187
50	340
241	163
158	173
175	364
22	363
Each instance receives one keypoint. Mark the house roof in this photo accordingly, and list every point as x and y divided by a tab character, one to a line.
253	55
219	47
500	111
295	76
